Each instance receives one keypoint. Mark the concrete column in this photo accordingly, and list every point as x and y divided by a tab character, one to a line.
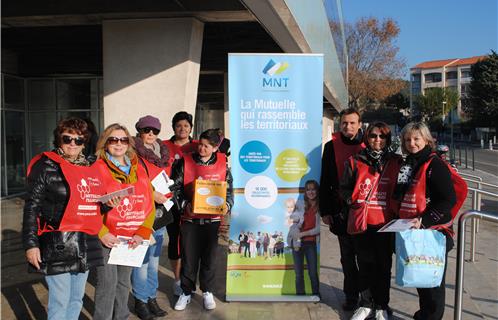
151	66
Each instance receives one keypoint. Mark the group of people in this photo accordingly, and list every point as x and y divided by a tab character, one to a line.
263	244
64	244
67	231
359	167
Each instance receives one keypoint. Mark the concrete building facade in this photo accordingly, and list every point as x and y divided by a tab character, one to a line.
115	61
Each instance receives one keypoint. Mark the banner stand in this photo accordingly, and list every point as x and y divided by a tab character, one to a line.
275	109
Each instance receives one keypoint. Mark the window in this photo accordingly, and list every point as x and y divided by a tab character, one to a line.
432	77
451	75
465	73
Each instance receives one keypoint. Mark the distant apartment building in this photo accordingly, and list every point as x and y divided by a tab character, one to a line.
450	73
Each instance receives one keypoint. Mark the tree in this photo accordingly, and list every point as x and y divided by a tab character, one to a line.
433	101
374	68
481	104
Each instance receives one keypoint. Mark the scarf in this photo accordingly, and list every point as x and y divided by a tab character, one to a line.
125	168
79	161
376	158
410	166
159	156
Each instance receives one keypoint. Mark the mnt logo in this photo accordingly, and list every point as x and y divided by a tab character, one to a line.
272	69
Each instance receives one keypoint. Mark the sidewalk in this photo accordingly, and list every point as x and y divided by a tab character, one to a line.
24	296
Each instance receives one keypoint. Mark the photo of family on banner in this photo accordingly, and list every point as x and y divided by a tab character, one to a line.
275	103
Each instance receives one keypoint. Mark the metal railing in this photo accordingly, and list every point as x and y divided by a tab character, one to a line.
476	205
471	214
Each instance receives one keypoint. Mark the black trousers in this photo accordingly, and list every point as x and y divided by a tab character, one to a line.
432	300
374	255
349	267
199	245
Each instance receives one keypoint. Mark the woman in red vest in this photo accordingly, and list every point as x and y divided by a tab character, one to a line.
144	280
427	194
370	176
309	233
199	232
129	216
179	144
53	245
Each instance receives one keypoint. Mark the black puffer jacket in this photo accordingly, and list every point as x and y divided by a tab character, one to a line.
48	195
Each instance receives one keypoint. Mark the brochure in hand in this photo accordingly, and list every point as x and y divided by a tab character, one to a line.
120	193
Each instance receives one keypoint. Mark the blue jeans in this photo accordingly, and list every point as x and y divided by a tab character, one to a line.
144	280
65	295
308	249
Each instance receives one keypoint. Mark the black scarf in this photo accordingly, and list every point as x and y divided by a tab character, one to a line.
377	158
408	170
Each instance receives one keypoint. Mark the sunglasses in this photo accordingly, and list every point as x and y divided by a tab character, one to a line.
77	141
116	140
373	136
149	129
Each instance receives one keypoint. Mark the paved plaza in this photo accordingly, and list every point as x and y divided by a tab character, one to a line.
24	295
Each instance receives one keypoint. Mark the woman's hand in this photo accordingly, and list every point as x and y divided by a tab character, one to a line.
113	202
417	223
135	241
34	257
109	240
159	197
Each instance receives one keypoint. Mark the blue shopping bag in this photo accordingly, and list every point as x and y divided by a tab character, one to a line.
420	258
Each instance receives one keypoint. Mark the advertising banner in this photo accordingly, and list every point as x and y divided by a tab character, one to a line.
275	104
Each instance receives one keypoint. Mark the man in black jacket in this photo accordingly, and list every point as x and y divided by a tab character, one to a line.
344	144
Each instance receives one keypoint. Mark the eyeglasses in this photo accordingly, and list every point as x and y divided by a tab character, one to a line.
149	129
373	136
115	140
77	141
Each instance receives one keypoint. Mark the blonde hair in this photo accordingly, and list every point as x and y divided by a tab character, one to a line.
290	202
102	143
421	128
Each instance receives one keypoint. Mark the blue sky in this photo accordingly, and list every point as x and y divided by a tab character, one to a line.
435	29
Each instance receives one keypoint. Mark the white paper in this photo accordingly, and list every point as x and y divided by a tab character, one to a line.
161	184
125	256
398	225
120	193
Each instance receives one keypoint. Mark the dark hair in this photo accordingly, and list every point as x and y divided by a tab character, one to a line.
211	135
71	125
182	115
383	128
351	110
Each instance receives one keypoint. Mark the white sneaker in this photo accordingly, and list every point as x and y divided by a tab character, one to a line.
177	288
208	299
182	302
381	315
362	313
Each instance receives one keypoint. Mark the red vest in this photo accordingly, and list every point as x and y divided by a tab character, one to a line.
309	222
414	201
379	208
153	170
343	151
129	215
192	171
82	212
177	152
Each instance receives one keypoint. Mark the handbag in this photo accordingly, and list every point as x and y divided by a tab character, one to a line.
357	217
163	217
420	258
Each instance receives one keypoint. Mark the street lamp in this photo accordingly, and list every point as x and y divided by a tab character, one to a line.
443	117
